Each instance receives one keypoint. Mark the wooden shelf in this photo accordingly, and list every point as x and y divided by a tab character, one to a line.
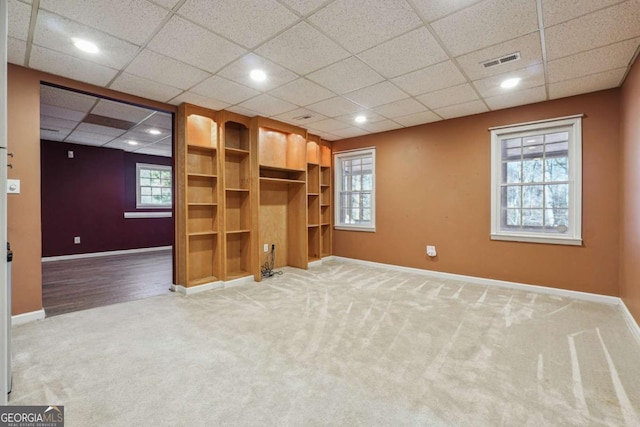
313	194
201	204
237	274
237	189
202	175
281	180
324	206
313	225
237	231
203	233
324	185
236	152
201	147
280	169
203	280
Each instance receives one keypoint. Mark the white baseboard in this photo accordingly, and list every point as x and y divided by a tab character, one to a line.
315	263
32	316
239	282
197	289
107	253
586	296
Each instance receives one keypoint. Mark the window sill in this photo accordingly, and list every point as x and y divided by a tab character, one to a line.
538	239
354	228
148	214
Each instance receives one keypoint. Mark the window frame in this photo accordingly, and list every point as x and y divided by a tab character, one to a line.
573	124
140	205
338	158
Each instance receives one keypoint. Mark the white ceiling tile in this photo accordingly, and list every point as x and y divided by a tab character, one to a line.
327	136
328	125
429	79
16	51
593	61
557	11
345	76
302	92
246	22
88	138
350	132
68	66
56	33
224	90
486	23
121	111
597	29
304	7
434	9
521	97
162	121
54	136
334	107
400	108
239	71
202	101
51	122
377	94
153	151
417	118
585	84
302	49
100	130
381	126
66	99
61	113
128	83
138	136
132	20
267	105
358	27
210	53
459	110
296	117
531	77
19	18
409	52
244	111
449	96
528	46
143	129
349	119
165	70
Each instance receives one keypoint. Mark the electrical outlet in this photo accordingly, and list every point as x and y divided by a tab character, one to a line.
76	240
266	247
431	251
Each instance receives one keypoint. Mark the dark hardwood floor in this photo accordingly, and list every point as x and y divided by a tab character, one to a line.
73	285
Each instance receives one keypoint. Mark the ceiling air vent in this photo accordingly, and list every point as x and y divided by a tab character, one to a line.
303	117
109	122
502	60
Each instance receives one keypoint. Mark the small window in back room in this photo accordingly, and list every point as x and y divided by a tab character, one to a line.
153	185
355	190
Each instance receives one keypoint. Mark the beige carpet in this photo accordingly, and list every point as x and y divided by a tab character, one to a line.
340	344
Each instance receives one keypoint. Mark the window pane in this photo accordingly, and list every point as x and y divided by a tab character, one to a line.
511	196
513	217
532	170
145	173
532	196
556	169
145	191
557	196
532	140
156	191
145	181
146	199
556	137
533	151
514	172
557	218
532	217
355	183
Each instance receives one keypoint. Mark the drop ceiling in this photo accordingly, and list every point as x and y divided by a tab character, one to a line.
399	62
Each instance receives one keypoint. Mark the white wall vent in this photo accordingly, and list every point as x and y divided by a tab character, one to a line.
502	60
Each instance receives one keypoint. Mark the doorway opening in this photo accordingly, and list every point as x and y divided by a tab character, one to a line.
106	200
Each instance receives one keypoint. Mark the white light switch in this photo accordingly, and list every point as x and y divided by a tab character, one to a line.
13	186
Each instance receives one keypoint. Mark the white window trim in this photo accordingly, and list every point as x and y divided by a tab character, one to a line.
337	163
574	233
148	205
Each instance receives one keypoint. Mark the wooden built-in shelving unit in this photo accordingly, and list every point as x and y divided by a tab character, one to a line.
242	183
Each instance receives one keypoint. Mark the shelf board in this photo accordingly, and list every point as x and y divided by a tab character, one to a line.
237	231
201	147
202	175
313	225
202	280
324	205
237	189
313	163
203	233
237	274
313	258
313	194
324	224
236	151
282	180
325	185
324	167
276	168
202	204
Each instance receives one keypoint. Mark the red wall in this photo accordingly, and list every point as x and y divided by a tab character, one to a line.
87	196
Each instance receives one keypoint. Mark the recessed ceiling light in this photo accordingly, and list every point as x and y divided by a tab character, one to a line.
154	132
85	45
132	142
510	83
258	75
360	119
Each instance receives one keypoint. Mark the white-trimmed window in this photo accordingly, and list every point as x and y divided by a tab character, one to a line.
153	186
355	180
536	182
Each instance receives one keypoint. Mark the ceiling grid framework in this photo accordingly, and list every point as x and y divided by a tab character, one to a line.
399	62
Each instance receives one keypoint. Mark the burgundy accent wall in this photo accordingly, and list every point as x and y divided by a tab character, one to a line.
87	196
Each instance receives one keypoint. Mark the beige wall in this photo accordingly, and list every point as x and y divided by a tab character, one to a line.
630	194
23	210
433	187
